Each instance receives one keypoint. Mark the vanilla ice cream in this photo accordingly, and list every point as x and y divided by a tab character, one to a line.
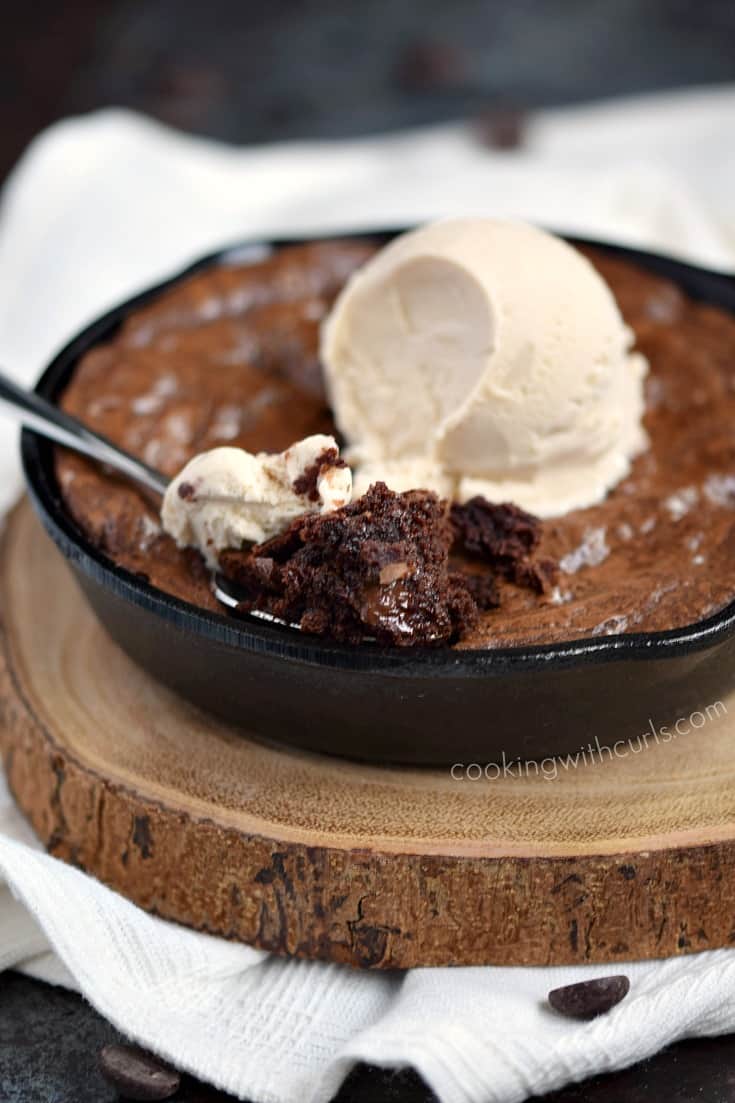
228	497
474	356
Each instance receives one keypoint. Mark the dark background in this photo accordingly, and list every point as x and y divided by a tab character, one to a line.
253	72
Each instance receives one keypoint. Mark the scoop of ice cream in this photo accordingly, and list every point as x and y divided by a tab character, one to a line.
475	356
228	497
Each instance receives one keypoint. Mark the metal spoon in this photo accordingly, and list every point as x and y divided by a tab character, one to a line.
50	421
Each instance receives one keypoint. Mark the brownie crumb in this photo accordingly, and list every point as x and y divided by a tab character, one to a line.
505	537
540	575
483	588
186	491
306	484
376	569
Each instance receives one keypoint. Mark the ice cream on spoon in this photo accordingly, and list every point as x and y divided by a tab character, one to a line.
228	497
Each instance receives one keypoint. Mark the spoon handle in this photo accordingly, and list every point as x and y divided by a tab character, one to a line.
36	413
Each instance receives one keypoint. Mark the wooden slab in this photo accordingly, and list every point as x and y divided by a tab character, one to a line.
316	857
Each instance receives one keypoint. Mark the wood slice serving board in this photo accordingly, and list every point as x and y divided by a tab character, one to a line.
323	858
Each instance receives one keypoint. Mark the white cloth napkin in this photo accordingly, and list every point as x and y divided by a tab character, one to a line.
101	206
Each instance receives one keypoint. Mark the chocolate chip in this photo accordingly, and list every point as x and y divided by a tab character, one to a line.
429	64
186	491
589	998
392	572
501	127
137	1074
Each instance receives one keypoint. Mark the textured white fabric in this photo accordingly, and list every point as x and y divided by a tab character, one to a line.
99	207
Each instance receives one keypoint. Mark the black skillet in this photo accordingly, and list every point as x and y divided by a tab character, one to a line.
388	704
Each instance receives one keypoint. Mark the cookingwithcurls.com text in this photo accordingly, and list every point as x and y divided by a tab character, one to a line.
592	754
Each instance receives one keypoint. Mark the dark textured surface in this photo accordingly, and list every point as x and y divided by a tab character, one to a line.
281	70
248	71
49	1041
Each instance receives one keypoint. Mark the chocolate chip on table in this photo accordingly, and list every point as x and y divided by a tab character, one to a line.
138	1074
589	998
430	64
501	128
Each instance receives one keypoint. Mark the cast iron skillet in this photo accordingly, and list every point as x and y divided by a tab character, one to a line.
388	704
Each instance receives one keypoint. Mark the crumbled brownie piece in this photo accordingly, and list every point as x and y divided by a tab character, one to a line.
501	534
380	567
377	568
187	491
307	481
483	588
537	574
505	537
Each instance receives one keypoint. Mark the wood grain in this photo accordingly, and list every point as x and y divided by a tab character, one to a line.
323	858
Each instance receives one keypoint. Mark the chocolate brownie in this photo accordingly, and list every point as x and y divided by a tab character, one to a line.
230	356
379	569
